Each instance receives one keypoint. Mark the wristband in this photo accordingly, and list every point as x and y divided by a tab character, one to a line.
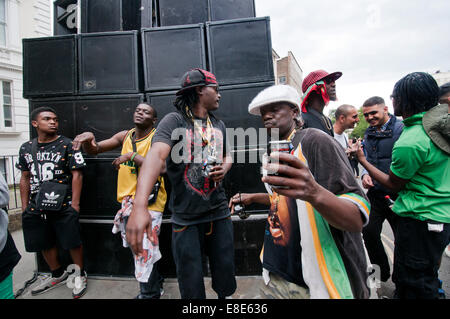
133	156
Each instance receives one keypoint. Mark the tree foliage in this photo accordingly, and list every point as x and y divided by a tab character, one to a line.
359	129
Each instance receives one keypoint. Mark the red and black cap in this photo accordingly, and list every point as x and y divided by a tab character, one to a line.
197	77
318	75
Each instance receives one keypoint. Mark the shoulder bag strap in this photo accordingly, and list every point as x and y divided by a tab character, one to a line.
35	162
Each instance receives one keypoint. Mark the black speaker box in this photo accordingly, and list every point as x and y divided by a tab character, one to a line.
64	110
111	15
240	51
104	254
233	105
102	115
169	52
65	17
231	9
162	102
180	12
109	63
49	66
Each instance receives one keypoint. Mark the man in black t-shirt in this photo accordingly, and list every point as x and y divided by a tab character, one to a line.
193	142
319	88
43	228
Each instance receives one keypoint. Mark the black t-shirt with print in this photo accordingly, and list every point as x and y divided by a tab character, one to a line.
56	160
194	197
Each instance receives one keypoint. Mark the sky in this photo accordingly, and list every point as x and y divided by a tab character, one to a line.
373	42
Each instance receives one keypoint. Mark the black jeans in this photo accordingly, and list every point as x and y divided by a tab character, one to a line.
189	243
379	212
416	259
152	288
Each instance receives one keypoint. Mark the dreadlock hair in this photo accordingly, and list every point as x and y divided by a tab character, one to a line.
415	93
188	99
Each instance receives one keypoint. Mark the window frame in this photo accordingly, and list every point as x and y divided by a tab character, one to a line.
3	127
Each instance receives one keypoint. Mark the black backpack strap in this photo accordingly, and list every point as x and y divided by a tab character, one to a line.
34	156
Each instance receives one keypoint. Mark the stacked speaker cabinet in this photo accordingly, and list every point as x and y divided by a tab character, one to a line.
181	12
240	51
168	52
49	66
112	15
109	63
231	9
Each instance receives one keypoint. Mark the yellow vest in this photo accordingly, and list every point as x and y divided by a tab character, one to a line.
127	178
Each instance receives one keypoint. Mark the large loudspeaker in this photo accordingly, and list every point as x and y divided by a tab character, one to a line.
104	254
233	105
65	111
169	52
111	15
240	51
162	102
106	115
49	66
231	9
109	63
179	12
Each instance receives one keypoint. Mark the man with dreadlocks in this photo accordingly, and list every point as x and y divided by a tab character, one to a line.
420	173
198	162
319	88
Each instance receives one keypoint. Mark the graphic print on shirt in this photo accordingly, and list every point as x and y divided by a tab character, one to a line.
198	153
55	161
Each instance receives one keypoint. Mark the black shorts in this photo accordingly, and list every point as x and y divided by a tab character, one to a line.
45	231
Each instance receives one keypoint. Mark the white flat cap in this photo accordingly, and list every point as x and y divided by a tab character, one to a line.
274	94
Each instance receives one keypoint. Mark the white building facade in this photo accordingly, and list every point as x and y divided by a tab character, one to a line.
18	19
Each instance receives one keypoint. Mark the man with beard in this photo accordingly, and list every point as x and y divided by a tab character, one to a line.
419	173
379	139
312	244
194	143
319	88
135	144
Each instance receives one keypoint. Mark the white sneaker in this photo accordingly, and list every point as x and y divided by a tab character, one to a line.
81	287
48	283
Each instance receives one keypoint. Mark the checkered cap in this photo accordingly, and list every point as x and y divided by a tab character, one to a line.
196	77
318	75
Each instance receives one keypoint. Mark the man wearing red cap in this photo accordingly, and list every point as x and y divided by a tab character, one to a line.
319	88
193	142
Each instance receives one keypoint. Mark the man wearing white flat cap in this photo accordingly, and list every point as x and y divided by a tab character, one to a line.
312	245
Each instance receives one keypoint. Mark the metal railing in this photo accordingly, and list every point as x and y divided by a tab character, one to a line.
12	177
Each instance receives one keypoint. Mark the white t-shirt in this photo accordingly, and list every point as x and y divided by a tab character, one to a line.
342	139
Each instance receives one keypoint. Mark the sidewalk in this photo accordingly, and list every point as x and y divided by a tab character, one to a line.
128	288
115	288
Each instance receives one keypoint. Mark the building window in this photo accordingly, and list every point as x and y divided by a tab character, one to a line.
2	23
6	105
282	79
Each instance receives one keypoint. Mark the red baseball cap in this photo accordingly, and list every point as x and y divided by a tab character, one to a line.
318	75
197	77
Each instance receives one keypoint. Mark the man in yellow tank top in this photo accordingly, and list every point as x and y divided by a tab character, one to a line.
135	145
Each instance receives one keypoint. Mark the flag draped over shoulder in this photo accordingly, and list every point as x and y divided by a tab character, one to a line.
322	265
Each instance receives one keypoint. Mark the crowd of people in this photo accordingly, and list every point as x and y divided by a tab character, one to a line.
323	229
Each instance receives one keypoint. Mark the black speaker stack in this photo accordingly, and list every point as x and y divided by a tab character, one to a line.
107	56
